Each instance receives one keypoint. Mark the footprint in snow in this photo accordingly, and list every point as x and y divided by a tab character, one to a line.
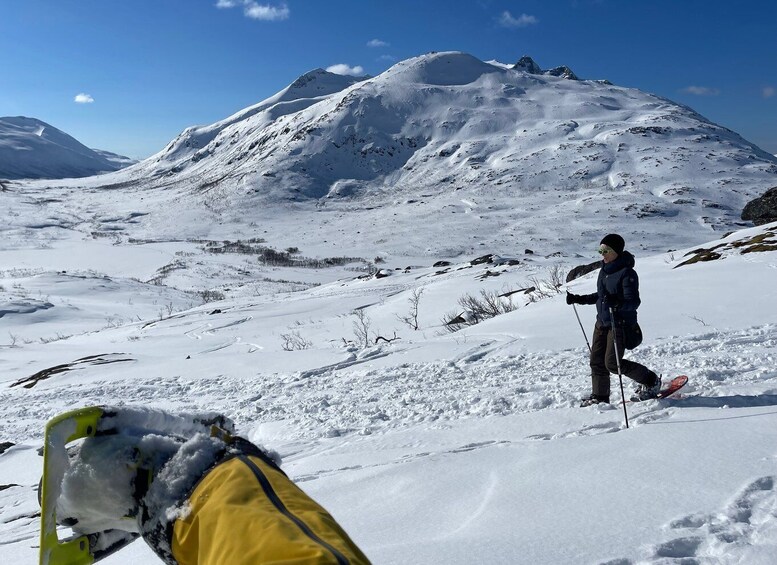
744	529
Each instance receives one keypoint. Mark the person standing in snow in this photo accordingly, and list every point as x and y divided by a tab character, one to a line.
616	288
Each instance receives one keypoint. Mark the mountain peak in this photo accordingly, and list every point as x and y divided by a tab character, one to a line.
440	68
318	82
528	65
563	71
318	75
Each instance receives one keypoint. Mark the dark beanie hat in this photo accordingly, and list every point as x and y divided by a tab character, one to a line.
614	242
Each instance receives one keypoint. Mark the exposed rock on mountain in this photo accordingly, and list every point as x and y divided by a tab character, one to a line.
581	270
762	210
527	65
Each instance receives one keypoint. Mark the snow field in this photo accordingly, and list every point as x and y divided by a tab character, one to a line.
437	447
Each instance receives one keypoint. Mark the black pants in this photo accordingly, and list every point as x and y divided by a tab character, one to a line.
603	361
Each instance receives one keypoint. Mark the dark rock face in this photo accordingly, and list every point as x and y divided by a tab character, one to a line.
483	259
581	270
563	72
528	65
762	210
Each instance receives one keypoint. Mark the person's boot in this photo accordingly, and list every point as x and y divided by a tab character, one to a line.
645	392
595	399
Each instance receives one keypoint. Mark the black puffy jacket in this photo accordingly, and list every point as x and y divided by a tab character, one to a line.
618	283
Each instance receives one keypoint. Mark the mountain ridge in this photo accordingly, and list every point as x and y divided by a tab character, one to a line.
32	148
445	143
435	105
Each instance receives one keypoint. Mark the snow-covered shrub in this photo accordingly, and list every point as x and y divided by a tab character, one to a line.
294	341
488	304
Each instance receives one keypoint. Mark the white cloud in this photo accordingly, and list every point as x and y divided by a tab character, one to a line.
256	11
377	43
524	20
769	91
266	12
343	69
83	99
701	90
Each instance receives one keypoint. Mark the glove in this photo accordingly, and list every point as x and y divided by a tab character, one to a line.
573	298
611	301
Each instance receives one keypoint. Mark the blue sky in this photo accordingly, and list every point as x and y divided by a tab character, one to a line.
128	76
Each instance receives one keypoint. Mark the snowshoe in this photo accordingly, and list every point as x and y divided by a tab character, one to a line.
674	385
645	392
133	443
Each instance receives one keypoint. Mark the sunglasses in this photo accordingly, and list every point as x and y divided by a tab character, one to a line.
604	250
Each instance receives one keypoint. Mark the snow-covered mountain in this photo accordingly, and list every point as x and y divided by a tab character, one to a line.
119	160
450	120
161	286
310	88
447	133
31	148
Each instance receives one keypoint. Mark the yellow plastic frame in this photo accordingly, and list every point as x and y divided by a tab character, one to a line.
71	426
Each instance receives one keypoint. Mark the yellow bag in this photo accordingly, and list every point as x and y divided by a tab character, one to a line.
247	511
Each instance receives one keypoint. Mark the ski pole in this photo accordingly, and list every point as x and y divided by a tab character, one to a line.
582	328
618	362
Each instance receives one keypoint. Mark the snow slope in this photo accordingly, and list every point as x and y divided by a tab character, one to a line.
119	160
31	148
436	447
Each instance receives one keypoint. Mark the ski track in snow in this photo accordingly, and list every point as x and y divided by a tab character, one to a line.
342	398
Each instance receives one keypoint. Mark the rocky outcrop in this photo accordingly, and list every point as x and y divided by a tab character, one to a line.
762	210
528	65
581	270
563	72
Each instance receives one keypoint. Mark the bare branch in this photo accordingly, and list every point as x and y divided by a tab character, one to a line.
380	337
294	341
361	328
411	319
